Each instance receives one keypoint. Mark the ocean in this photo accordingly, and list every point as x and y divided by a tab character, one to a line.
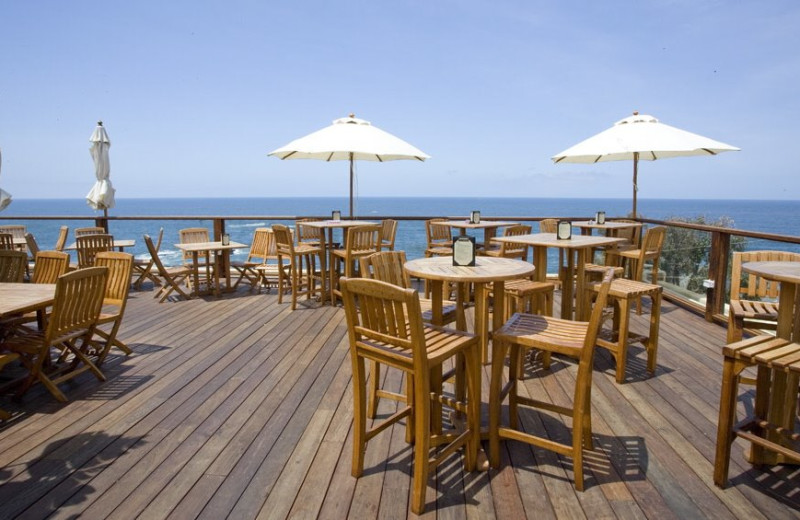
750	215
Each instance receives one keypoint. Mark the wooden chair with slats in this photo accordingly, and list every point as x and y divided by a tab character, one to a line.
172	277
511	249
309	235
76	307
387	266
388	234
17	231
550	225
61	241
439	237
297	265
12	266
753	299
387	326
269	270
115	299
6	358
257	256
94	230
633	239
143	267
50	265
360	241
88	246
573	339
205	259
7	242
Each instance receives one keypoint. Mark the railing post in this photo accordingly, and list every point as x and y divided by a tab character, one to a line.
718	272
101	222
219	230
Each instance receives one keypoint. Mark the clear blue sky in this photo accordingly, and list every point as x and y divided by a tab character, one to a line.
195	94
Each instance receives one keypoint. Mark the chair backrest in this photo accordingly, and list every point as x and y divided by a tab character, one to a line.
49	266
548	225
33	246
263	238
632	234
192	236
596	318
84	231
284	245
747	286
89	245
61	241
361	239
118	281
438	234
15	230
307	233
515	249
78	299
12	265
386	266
388	233
387	318
653	242
7	242
162	271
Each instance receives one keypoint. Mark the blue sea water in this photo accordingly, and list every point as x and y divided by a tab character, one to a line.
752	215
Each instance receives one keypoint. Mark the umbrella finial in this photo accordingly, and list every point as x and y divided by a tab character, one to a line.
99	123
636	112
352	115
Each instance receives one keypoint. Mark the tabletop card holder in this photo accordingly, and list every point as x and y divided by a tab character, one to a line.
600	218
226	239
475	217
336	215
464	252
564	230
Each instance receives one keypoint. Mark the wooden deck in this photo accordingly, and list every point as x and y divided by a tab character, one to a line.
240	408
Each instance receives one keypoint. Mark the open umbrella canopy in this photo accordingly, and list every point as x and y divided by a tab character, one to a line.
101	195
5	197
640	137
350	139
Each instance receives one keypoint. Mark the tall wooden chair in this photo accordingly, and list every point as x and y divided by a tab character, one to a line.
439	236
387	266
78	298
205	259
94	230
89	245
652	243
569	338
297	265
388	234
510	249
61	241
269	270
143	267
171	276
308	235
386	326
49	266
115	298
753	301
361	241
12	266
7	242
17	231
247	269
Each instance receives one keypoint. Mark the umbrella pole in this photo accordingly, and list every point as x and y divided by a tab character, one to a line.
635	175
351	185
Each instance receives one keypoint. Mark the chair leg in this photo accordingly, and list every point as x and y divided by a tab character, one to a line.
496	401
359	415
374	386
727	417
422	443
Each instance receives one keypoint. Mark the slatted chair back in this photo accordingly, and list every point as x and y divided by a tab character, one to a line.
308	234
748	286
49	266
12	265
386	266
388	234
84	231
437	233
15	230
78	299
33	246
192	236
7	242
61	241
632	234
142	267
118	282
548	225
596	318
514	249
89	245
284	245
171	279
363	240
652	244
259	248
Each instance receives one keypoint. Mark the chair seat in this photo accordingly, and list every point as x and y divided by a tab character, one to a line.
597	270
523	287
342	253
554	334
441	343
439	251
448	310
754	310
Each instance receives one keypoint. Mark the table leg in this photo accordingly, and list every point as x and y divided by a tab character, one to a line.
196	265
580	282
567	284
217	267
540	261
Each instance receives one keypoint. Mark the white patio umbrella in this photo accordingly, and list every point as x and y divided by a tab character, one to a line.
350	139
5	197
640	137
101	195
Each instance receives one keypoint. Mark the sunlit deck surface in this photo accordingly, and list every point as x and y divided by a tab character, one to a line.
241	408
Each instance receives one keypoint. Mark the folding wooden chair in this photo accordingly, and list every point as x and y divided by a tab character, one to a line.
172	276
12	266
85	231
257	256
89	245
49	266
143	267
61	241
114	301
78	298
7	242
388	234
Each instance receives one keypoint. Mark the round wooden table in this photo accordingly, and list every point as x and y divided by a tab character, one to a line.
488	270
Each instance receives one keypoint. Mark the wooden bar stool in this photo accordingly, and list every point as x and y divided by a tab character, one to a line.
623	293
771	426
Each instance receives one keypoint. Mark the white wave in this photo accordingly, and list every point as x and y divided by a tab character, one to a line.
255	224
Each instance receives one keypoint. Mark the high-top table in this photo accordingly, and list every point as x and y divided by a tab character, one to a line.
221	258
578	249
609	228
488	270
327	227
489	227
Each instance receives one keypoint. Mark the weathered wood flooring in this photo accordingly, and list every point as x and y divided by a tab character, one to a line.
241	408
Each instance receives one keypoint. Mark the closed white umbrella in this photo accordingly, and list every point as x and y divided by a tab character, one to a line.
102	194
350	139
5	197
640	137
